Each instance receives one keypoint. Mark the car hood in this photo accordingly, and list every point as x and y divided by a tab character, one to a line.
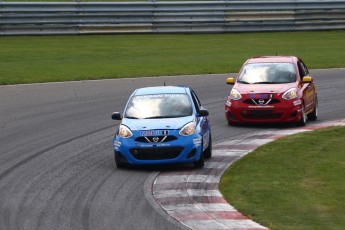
150	124
264	88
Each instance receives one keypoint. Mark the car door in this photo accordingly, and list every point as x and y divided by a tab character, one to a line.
203	122
308	89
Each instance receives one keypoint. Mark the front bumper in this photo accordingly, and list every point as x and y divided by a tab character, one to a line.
181	149
285	111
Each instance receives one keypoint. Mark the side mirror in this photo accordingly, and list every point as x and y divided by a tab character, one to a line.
116	116
203	112
307	79
230	81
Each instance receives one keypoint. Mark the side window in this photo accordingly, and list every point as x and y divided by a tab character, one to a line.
305	68
196	101
301	70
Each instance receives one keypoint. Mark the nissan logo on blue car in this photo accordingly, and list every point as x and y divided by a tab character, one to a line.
161	125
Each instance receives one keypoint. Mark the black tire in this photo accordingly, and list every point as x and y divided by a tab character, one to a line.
230	123
199	163
303	120
313	115
118	162
208	150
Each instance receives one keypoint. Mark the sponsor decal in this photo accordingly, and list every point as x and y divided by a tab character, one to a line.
298	102
163	145
260	96
205	139
154	145
197	141
309	95
161	95
154	133
117	144
256	107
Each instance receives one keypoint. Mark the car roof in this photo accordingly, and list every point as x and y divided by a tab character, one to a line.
161	90
267	59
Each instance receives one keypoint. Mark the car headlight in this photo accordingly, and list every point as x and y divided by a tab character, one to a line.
290	94
188	129
125	132
235	95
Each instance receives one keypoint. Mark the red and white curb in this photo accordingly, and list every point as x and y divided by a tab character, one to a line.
192	196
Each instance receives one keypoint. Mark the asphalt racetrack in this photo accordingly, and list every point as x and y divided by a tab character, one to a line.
56	158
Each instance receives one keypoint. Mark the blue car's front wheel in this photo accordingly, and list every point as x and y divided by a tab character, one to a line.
120	161
199	163
208	150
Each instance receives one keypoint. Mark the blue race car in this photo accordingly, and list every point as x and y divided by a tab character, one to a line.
160	125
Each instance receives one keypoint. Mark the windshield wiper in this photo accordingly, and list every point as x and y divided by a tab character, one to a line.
265	82
244	82
132	117
156	117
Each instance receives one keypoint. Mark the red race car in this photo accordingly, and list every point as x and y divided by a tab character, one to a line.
272	89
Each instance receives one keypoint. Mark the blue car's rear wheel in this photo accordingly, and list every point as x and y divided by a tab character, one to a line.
199	163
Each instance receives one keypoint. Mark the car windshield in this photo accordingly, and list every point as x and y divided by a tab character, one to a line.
159	106
268	73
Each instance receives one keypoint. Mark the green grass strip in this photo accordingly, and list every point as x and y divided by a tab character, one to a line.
293	183
27	59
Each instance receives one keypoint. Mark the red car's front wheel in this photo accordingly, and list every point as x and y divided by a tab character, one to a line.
313	115
303	119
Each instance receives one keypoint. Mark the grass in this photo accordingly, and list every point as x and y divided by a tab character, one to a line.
27	59
293	183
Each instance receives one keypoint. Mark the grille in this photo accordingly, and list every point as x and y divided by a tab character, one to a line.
155	140
261	114
156	153
265	101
